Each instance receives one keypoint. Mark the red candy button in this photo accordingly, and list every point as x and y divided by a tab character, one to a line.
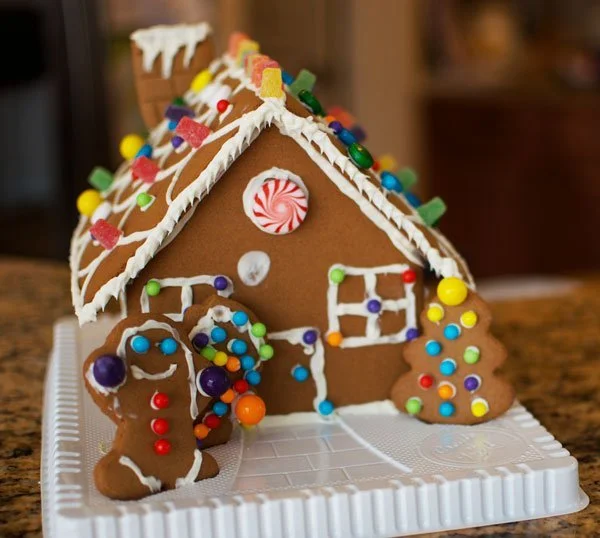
426	381
409	276
160	400
222	105
159	426
241	386
162	447
212	421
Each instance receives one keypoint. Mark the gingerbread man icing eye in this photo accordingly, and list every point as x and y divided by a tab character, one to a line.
276	201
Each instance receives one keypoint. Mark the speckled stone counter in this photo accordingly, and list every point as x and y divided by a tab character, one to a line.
554	362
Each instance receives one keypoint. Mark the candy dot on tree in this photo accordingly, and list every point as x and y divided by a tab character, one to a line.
435	313
140	344
253	377
472	382
335	339
471	355
259	330
337	276
446	391
109	371
201	431
152	288
426	381
237	346
213	381
468	319
448	366
479	407
451	331
433	348
239	318
228	396
409	276
162	447
413	406
88	201
168	346
130	145
212	421
250	409
446	409
300	373
452	291
220	409
220	358
326	407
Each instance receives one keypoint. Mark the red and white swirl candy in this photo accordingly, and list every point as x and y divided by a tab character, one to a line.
280	206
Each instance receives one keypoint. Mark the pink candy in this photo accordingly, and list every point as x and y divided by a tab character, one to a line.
145	169
106	234
192	132
259	67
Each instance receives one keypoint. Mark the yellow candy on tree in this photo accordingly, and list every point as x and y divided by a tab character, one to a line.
88	201
201	80
468	319
435	313
220	358
452	291
479	408
130	145
272	83
387	163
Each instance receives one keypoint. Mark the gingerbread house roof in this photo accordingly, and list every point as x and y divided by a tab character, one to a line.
99	274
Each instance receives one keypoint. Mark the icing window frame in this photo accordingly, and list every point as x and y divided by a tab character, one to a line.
256	183
373	336
187	291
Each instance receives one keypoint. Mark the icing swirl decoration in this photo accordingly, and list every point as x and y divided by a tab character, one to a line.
276	201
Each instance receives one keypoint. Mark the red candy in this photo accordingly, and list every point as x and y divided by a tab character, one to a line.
222	105
160	400
212	421
106	234
426	381
376	166
409	276
145	169
160	426
162	447
192	132
241	386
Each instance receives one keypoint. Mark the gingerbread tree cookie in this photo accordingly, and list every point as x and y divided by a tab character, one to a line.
452	378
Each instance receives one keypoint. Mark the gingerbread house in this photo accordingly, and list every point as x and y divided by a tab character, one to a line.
247	189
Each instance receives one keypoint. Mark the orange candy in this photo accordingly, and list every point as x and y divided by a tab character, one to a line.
228	396
335	339
234	42
233	364
250	409
446	392
201	431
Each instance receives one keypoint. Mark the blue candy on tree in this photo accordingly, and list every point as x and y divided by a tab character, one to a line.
390	182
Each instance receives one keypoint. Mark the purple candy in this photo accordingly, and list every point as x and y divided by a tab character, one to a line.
358	133
309	337
109	371
175	112
200	340
220	283
199	444
411	334
176	141
214	381
336	126
471	383
374	306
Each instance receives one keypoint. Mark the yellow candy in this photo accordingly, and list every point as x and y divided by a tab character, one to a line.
452	291
220	358
446	391
387	162
246	47
479	408
88	201
468	319
272	82
201	80
130	145
435	313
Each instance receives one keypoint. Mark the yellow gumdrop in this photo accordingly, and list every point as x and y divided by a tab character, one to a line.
130	145
435	313
272	83
452	291
468	319
201	80
220	358
88	201
479	408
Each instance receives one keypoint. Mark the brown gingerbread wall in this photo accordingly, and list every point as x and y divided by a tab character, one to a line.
294	293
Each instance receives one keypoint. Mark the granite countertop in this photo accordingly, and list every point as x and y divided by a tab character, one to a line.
554	357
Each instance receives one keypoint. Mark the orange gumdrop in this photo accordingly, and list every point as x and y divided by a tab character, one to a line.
334	339
250	409
201	431
228	396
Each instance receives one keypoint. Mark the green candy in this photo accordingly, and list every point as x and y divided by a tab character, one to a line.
432	211
304	81
408	178
178	101
471	355
360	155
152	288
208	353
311	102
100	178
413	406
266	351
258	330
337	276
143	199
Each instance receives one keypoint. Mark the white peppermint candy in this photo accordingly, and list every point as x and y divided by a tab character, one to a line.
280	206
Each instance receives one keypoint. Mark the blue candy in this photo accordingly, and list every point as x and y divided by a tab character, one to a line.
433	348
238	347
140	344
452	331
145	151
300	373
447	367
390	182
326	407
346	137
218	334
168	346
247	362
220	408
287	78
253	377
413	199
172	125
239	318
446	409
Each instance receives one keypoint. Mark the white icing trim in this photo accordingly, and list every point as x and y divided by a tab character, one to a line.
253	267
373	334
187	292
166	41
138	373
151	482
317	359
190	478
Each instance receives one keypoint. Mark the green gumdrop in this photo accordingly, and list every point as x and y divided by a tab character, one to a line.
413	406
304	81
432	211
408	178
311	102
143	199
100	178
152	288
337	276
471	355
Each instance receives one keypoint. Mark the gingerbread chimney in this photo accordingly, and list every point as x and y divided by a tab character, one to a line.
165	60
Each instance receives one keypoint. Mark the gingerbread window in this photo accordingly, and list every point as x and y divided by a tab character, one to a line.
367	313
276	201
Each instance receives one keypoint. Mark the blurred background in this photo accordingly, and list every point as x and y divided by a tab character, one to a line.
495	103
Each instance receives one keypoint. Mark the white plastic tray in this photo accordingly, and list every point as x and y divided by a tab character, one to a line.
367	472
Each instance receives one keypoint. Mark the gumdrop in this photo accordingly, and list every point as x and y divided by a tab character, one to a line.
251	60
175	112
259	67
145	169
272	84
304	81
408	177
105	233
431	212
192	132
100	178
246	47
234	42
